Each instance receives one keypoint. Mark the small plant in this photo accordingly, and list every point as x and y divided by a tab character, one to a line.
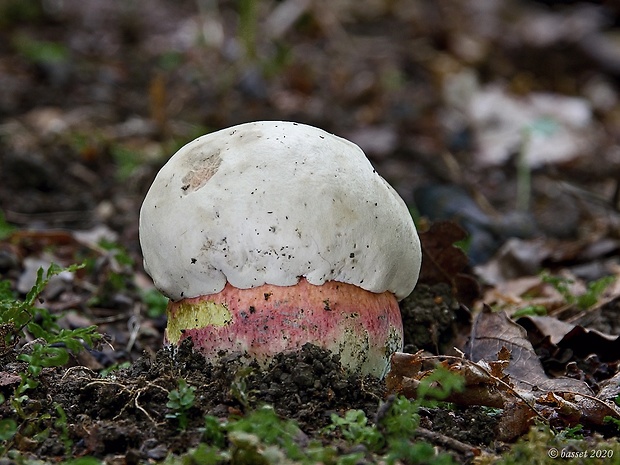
239	389
5	228
61	424
583	301
401	419
155	302
404	451
50	347
214	433
437	386
39	51
397	422
127	161
609	420
530	310
52	344
19	315
263	426
542	447
262	437
109	371
180	401
355	428
575	432
8	428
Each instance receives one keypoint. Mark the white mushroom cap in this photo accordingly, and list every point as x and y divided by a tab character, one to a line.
269	202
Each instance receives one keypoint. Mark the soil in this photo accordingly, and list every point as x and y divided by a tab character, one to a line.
95	96
124	413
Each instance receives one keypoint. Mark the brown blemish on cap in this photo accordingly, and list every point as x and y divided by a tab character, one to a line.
202	170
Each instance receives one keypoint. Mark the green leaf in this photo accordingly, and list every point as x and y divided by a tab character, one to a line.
5	228
44	356
40	51
439	384
8	428
156	303
530	310
84	461
214	432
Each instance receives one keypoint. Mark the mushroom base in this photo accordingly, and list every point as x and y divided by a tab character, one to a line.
362	327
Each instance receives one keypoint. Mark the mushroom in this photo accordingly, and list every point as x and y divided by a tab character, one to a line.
269	235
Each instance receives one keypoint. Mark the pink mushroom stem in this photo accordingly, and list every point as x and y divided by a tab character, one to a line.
362	326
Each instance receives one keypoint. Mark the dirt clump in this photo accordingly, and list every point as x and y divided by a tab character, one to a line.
431	316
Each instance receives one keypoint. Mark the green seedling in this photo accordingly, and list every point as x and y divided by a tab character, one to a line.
8	428
41	52
391	435
583	301
19	314
119	253
355	428
403	451
127	161
180	401
530	310
203	454
265	425
437	386
53	343
262	437
214	433
61	424
109	371
239	389
5	228
51	346
609	420
542	447
401	419
575	432
155	302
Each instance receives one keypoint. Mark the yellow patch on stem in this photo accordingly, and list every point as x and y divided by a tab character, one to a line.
195	315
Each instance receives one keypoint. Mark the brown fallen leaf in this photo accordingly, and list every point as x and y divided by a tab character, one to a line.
408	370
502	370
581	341
9	379
481	387
494	332
443	262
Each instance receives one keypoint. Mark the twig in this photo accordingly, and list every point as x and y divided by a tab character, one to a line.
447	441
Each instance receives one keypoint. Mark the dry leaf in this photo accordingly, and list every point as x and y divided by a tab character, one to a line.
443	262
581	341
502	370
494	332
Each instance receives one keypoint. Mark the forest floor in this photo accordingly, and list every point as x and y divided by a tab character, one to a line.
498	122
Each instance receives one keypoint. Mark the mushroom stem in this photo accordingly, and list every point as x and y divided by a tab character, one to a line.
365	328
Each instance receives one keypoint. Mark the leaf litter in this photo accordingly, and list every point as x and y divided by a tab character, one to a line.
79	153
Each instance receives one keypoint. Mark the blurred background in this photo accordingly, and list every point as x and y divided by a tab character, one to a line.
501	115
